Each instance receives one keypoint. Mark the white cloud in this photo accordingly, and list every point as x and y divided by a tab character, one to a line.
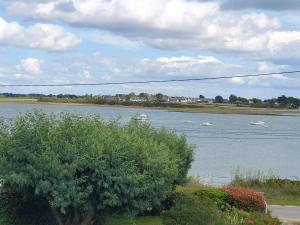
276	80
103	37
38	36
30	66
167	24
237	80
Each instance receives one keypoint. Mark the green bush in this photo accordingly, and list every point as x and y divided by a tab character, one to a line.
214	194
217	195
194	210
86	169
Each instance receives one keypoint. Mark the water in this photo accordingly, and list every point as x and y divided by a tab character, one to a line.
229	144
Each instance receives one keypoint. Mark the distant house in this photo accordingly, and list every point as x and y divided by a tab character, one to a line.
138	99
182	99
188	100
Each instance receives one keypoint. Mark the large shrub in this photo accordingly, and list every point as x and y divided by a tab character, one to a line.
220	197
191	209
245	199
84	169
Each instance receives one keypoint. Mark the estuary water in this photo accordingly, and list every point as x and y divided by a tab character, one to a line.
230	143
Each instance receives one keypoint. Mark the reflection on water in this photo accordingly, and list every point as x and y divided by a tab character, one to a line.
229	143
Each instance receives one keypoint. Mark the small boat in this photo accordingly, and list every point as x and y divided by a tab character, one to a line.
206	124
258	123
187	121
143	118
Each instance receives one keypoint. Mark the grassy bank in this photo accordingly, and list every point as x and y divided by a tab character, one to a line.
277	191
19	100
174	107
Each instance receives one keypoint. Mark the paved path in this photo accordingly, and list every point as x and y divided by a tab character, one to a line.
287	214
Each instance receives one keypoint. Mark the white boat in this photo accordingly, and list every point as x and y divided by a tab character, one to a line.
187	121
258	123
143	118
206	124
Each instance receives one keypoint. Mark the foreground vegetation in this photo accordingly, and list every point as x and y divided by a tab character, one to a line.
277	191
80	170
75	170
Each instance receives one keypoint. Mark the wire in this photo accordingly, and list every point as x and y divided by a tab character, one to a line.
150	81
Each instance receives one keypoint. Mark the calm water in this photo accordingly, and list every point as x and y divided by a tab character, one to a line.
220	149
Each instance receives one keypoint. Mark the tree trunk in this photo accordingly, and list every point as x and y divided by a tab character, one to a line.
57	216
99	221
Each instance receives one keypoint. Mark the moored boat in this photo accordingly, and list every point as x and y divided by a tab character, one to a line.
206	124
143	118
257	123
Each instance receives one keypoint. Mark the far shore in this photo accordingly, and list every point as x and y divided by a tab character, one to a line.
203	108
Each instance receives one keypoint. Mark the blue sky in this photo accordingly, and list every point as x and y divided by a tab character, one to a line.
86	41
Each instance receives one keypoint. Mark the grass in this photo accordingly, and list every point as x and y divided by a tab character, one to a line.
21	100
193	184
143	220
276	190
283	200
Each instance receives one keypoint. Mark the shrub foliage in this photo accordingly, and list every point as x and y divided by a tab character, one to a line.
245	199
214	194
194	210
84	169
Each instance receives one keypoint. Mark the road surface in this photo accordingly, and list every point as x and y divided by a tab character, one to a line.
287	214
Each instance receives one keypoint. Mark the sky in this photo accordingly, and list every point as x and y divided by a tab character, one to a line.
94	41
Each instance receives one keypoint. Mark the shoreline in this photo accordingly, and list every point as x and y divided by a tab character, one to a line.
234	110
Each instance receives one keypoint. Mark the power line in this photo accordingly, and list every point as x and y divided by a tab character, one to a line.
150	81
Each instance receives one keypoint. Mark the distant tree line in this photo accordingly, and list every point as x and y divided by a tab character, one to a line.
159	99
280	102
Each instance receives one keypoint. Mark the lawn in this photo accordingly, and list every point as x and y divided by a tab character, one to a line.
145	220
21	100
283	200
